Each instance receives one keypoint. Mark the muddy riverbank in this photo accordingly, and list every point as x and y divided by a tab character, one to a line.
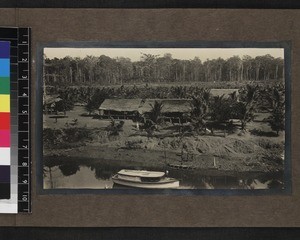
152	158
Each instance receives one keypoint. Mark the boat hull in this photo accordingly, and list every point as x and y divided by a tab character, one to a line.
147	185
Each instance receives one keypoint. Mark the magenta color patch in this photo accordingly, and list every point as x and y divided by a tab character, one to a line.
4	138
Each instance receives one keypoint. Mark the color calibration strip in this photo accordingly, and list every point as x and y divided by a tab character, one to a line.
18	90
5	147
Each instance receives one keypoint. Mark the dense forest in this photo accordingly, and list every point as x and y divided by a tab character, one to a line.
104	70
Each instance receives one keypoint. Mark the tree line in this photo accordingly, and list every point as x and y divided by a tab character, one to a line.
104	70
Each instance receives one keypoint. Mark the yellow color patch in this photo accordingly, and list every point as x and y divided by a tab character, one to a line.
4	103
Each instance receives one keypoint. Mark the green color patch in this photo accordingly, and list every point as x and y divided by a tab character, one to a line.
4	85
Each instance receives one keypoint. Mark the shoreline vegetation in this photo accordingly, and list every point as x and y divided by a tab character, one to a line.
238	152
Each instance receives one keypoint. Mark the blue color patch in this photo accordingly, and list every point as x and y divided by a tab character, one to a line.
4	67
4	49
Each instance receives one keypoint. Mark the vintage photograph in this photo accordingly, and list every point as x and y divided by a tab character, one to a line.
163	118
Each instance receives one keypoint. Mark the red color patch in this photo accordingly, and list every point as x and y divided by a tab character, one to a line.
4	121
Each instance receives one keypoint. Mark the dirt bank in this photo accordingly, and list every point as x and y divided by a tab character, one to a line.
233	153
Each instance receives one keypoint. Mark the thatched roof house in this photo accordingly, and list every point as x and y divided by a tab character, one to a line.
173	110
49	102
168	105
121	105
131	108
51	99
120	108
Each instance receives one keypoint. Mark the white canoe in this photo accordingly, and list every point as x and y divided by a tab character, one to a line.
144	179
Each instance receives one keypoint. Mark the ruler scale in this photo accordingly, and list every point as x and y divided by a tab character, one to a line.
19	39
24	164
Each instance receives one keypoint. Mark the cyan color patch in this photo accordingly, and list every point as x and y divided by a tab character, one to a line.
4	67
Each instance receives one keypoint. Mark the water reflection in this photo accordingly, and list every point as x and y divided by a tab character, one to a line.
103	172
69	169
98	176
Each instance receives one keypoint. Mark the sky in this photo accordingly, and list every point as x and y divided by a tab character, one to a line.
177	53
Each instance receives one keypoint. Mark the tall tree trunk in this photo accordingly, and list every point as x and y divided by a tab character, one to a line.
71	75
184	72
242	71
248	75
90	75
77	73
257	73
80	76
276	72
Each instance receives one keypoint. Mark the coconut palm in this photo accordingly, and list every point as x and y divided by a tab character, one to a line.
276	97
245	109
277	119
220	109
155	113
200	110
115	128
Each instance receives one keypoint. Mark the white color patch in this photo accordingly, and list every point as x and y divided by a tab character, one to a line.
4	156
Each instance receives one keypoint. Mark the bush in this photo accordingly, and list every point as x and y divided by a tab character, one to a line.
64	138
51	137
114	128
76	134
276	148
133	144
277	120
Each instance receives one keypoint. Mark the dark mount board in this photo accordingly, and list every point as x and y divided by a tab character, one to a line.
18	233
265	4
149	233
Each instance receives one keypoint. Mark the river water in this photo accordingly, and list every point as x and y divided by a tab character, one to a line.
98	176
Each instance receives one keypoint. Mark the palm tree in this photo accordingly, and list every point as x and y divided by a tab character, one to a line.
90	107
156	111
277	118
217	107
199	110
222	110
115	128
276	97
245	109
